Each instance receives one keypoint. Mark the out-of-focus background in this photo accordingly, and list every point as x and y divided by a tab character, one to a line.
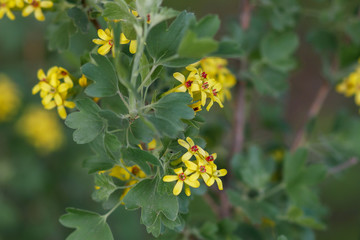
39	179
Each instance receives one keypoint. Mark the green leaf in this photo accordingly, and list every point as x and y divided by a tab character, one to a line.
106	187
296	215
163	43
141	130
293	166
164	14
174	107
207	26
60	36
99	160
161	203
282	237
89	225
353	30
80	19
323	41
103	74
228	49
277	46
118	10
140	158
255	170
193	47
87	122
112	146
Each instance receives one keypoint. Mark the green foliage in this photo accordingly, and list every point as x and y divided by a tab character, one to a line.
89	225
102	72
139	157
162	208
87	122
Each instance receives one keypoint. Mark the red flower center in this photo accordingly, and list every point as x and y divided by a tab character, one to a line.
204	75
210	158
148	17
194	148
111	43
35	3
43	80
63	73
202	169
188	83
196	109
3	5
182	176
214	92
205	85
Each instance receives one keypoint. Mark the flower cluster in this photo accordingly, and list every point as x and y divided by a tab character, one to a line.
41	129
212	81
202	166
129	175
27	7
106	40
9	98
53	87
350	86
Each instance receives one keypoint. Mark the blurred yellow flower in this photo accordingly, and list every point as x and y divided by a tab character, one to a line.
41	129
9	98
5	6
36	7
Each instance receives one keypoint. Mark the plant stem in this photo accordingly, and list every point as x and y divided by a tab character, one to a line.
343	166
313	111
105	216
272	191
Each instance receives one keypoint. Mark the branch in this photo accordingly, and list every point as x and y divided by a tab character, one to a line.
213	205
313	112
343	166
92	20
239	111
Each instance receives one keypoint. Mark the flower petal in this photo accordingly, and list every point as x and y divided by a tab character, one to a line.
27	11
194	177
187	191
190	141
99	41
186	156
178	187
101	33
183	143
104	49
170	178
178	170
192	166
69	104
123	39
46	4
62	112
194	184
36	89
39	14
178	76
63	87
210	182
133	46
219	183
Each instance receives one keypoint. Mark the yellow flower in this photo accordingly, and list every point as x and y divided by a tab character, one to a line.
83	81
350	86
181	178
210	158
201	168
54	92
196	106
36	6
124	175
133	43
215	176
9	98
216	68
41	129
5	6
106	40
192	149
18	3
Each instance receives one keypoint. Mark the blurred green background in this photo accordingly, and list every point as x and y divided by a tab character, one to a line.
35	188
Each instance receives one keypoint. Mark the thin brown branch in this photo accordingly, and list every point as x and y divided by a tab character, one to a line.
313	111
239	110
343	166
213	205
94	21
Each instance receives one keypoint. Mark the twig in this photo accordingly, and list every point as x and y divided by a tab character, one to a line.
239	111
313	111
92	20
213	205
343	166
